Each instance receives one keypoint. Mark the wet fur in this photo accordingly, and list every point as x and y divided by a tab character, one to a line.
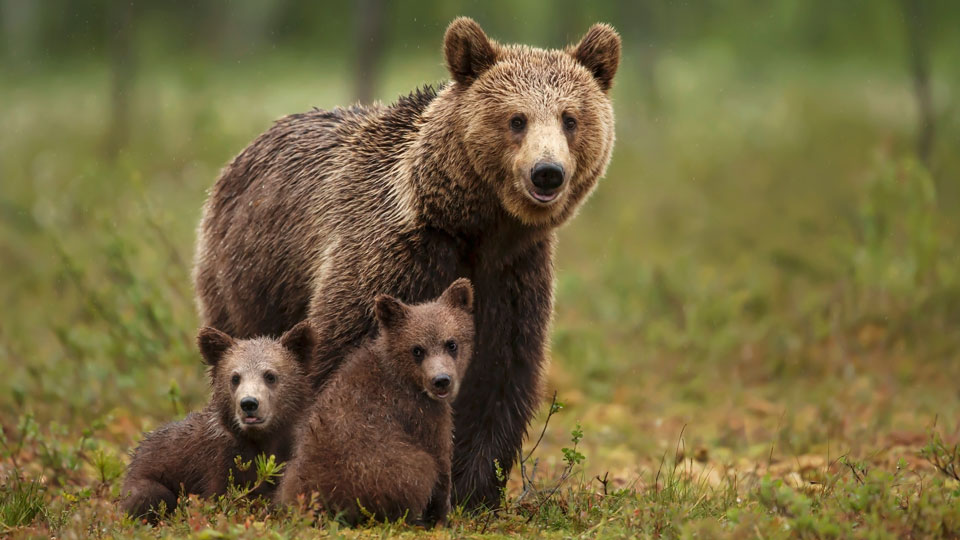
375	437
195	456
329	208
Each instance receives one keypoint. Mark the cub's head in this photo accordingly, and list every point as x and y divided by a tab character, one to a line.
430	344
259	385
537	123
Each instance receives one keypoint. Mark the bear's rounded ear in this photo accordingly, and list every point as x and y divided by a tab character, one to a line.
300	340
467	50
389	311
213	344
459	295
599	51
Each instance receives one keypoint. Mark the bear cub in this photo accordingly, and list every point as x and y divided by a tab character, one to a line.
259	389
380	436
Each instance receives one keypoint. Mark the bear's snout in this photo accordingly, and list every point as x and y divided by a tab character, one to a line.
547	178
441	386
441	382
249	405
547	175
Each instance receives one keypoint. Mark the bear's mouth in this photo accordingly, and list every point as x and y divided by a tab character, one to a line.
252	420
544	196
441	395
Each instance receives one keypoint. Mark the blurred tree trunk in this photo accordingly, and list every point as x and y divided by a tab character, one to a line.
639	20
915	19
369	32
570	23
122	64
240	29
18	27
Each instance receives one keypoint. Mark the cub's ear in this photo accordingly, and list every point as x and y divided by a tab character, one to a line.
213	344
599	51
300	340
389	311
468	50
459	295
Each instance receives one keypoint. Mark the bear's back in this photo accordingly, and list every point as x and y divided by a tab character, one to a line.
300	192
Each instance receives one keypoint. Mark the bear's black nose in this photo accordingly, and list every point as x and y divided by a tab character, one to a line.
249	404
547	176
441	381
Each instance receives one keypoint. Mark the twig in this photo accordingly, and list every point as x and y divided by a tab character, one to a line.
773	443
676	452
528	486
853	469
656	481
552	411
603	481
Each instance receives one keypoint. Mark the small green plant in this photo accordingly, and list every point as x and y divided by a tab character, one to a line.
175	399
944	457
26	430
267	469
570	455
108	466
502	480
528	475
20	501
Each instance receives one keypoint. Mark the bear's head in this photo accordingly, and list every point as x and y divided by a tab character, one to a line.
260	385
537	123
429	344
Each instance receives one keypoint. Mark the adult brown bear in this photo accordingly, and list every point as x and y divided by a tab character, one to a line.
329	208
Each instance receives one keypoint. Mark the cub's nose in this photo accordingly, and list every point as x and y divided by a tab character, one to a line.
441	382
547	176
249	404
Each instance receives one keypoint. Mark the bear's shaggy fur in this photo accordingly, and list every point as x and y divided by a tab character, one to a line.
328	208
381	433
196	455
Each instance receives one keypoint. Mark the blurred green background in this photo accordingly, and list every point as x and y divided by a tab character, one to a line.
772	257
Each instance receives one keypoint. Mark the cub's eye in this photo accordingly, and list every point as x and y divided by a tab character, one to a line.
518	122
235	380
418	353
451	346
270	378
569	122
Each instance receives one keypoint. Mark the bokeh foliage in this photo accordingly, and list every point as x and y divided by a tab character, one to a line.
770	262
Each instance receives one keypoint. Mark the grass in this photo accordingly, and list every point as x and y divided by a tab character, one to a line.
756	331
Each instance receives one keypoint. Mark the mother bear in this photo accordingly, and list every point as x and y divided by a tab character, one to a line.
327	209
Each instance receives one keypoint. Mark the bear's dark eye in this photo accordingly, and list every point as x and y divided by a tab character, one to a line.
418	353
451	345
235	379
518	122
270	378
569	122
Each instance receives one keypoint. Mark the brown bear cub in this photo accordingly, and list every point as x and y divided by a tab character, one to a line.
259	390
380	436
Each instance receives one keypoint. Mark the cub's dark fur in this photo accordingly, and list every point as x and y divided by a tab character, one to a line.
380	437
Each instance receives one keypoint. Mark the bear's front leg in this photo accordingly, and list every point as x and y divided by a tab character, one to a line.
501	391
143	496
439	505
